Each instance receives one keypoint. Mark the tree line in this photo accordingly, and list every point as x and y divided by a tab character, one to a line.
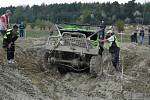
82	13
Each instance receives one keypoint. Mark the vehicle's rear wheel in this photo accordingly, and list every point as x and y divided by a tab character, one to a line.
96	66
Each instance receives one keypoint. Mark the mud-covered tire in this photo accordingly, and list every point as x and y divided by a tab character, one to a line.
46	65
96	66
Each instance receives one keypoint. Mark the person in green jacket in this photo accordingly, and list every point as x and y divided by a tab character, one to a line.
9	39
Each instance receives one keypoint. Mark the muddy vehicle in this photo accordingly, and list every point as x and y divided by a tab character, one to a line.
73	49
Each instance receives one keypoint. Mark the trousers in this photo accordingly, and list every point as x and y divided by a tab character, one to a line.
10	52
115	58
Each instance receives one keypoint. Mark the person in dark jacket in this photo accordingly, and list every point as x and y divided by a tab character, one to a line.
149	36
102	32
141	34
134	36
9	43
101	36
21	29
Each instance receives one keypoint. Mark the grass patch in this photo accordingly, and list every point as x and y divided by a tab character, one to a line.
37	34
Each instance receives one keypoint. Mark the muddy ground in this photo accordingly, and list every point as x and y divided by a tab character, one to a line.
24	80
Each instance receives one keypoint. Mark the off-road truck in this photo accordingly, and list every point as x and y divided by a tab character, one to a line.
74	48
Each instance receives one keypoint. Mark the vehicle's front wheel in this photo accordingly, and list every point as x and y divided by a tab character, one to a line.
96	66
46	64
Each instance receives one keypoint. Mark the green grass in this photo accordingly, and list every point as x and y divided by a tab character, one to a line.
36	34
125	38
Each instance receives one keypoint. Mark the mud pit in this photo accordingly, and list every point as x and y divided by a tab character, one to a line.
25	81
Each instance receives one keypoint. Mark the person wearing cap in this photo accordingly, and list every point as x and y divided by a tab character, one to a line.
114	48
4	22
9	39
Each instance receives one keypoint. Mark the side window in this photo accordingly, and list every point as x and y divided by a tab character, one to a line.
94	37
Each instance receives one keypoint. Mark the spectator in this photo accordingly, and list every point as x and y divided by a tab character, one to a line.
4	22
141	35
149	36
21	29
102	36
134	36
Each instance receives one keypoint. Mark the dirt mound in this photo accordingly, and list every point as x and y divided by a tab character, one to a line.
25	80
136	65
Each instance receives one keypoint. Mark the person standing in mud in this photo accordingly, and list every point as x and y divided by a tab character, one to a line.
9	43
114	48
101	36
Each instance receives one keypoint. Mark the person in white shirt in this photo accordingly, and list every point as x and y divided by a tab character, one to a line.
114	48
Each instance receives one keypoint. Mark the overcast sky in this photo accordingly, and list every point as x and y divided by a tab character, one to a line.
6	3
